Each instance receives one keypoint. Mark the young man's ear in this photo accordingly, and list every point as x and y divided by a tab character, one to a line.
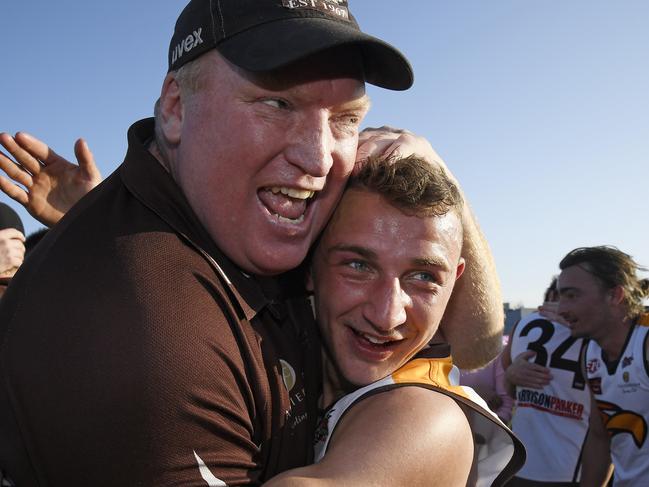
617	295
171	110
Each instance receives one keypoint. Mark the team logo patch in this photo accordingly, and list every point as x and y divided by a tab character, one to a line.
288	375
618	421
322	431
625	376
595	385
592	366
626	361
333	8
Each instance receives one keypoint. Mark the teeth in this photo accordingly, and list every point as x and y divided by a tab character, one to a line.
300	194
290	220
374	340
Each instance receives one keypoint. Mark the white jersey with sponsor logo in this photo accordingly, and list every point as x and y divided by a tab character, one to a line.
621	390
551	422
498	452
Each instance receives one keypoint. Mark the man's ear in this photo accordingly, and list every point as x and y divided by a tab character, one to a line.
171	110
460	268
617	295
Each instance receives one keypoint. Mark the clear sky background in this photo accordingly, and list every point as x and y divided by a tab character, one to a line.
541	109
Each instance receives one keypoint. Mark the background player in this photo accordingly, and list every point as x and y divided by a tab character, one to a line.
601	298
551	399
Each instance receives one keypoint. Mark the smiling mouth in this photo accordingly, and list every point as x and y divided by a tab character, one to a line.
378	342
287	204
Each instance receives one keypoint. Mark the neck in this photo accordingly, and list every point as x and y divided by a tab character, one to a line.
160	155
332	385
613	342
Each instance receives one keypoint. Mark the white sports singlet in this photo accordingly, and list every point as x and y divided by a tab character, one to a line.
499	453
621	390
551	422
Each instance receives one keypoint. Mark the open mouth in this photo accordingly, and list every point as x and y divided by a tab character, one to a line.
287	204
376	342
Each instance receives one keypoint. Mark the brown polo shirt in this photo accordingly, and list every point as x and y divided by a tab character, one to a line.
133	353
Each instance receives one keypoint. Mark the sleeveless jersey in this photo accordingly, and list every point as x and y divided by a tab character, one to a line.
498	452
551	422
621	390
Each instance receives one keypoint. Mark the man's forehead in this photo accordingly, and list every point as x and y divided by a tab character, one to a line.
576	276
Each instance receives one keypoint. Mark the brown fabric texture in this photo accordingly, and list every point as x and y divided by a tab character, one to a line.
126	357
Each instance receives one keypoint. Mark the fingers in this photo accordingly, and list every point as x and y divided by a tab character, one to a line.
526	355
386	140
86	160
14	192
37	150
528	374
11	234
12	251
13	169
22	156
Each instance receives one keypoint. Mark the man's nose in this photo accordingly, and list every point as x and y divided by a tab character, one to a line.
562	307
386	305
312	145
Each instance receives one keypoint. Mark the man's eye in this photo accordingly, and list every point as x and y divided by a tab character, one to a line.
276	103
349	119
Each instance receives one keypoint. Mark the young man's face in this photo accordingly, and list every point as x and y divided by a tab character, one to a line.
263	160
382	280
583	302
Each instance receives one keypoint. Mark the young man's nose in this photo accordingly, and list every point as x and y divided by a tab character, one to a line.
386	306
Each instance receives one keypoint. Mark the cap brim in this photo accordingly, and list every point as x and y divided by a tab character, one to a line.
282	42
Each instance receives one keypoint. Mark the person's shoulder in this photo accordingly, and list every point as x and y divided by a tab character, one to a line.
418	416
417	412
415	433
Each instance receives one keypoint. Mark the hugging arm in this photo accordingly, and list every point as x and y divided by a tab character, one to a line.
422	436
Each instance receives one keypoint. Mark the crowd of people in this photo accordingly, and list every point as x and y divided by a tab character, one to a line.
282	310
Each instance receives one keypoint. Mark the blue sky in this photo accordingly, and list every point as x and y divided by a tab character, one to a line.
541	109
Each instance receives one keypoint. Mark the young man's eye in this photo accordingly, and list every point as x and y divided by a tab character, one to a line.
425	277
357	265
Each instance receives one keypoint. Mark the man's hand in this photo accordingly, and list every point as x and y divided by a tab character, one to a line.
385	140
46	184
12	251
550	310
524	373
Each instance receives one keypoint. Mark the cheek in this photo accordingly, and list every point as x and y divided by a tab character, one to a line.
346	150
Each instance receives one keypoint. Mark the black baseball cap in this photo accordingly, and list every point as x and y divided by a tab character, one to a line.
263	35
10	219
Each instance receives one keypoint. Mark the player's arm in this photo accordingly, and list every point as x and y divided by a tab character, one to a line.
519	371
596	466
407	436
46	184
596	461
473	321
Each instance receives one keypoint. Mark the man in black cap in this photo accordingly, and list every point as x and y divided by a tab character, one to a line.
12	245
172	353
